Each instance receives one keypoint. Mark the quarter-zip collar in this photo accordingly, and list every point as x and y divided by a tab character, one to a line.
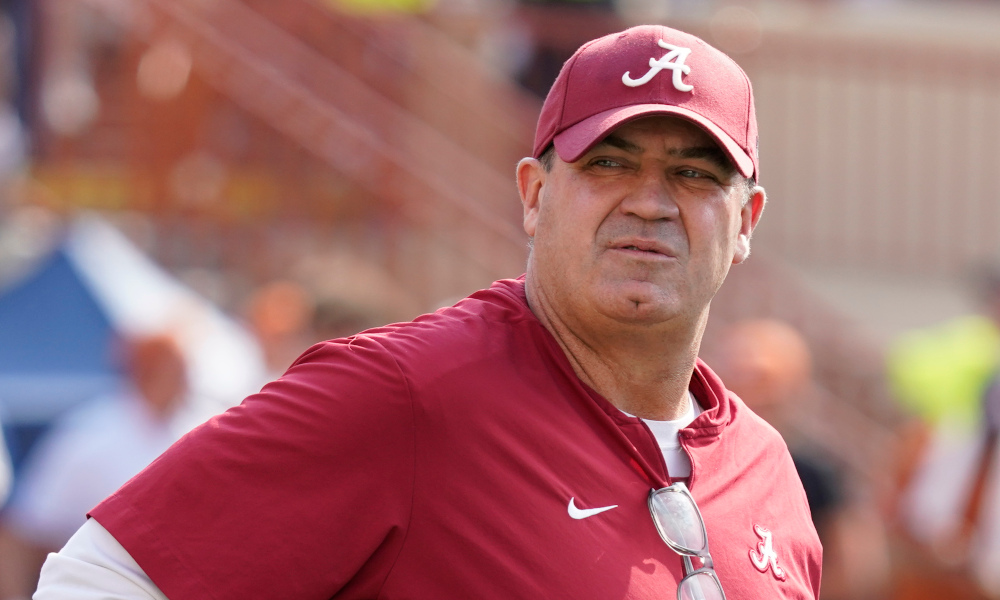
630	432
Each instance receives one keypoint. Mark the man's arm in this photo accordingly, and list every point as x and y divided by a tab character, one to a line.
302	467
91	566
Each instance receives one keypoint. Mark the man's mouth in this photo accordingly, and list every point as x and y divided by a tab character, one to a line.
641	248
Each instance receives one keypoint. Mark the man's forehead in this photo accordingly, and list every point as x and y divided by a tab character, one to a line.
648	130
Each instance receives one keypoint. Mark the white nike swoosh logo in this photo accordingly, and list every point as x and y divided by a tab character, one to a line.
583	513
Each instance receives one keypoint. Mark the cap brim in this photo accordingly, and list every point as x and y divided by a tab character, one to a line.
574	141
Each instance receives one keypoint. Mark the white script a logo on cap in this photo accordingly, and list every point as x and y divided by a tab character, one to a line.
673	60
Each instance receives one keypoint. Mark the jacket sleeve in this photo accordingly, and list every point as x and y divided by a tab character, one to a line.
302	489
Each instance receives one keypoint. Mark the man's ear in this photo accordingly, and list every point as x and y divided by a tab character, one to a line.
749	217
530	182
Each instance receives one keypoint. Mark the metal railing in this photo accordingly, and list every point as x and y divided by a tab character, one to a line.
463	202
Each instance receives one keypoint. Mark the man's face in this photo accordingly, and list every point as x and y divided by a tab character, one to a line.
643	228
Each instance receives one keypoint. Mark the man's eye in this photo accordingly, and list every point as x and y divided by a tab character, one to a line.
606	162
698	177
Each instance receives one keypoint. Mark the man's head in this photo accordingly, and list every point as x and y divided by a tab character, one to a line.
766	362
644	71
649	195
157	370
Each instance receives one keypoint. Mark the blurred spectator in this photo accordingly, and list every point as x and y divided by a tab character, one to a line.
280	314
939	373
942	375
287	318
13	151
88	454
341	317
12	145
768	364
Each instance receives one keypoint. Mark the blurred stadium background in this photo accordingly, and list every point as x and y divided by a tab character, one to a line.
365	149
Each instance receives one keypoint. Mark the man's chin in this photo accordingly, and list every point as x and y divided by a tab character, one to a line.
643	307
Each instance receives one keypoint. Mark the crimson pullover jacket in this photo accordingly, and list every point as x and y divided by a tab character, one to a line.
437	459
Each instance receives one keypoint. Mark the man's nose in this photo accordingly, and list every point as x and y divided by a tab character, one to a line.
651	199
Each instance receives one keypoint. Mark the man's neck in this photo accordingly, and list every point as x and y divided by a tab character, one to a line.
644	371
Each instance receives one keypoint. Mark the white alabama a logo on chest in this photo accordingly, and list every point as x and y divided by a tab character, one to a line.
673	60
763	556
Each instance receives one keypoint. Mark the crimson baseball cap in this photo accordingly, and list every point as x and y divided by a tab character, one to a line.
642	71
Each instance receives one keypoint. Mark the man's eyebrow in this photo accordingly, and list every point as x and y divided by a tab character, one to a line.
710	153
620	143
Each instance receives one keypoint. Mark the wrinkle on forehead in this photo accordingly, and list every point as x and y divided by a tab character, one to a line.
622	144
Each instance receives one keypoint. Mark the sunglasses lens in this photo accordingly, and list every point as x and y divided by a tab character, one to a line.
678	521
700	586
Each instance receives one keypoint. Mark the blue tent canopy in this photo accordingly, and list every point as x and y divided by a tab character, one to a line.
58	325
50	322
54	349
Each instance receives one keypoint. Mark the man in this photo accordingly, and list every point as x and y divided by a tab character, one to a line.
88	453
507	447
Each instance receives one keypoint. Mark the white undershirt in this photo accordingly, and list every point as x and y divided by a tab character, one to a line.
665	432
94	566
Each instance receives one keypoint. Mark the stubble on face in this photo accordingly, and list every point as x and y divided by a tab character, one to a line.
641	227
